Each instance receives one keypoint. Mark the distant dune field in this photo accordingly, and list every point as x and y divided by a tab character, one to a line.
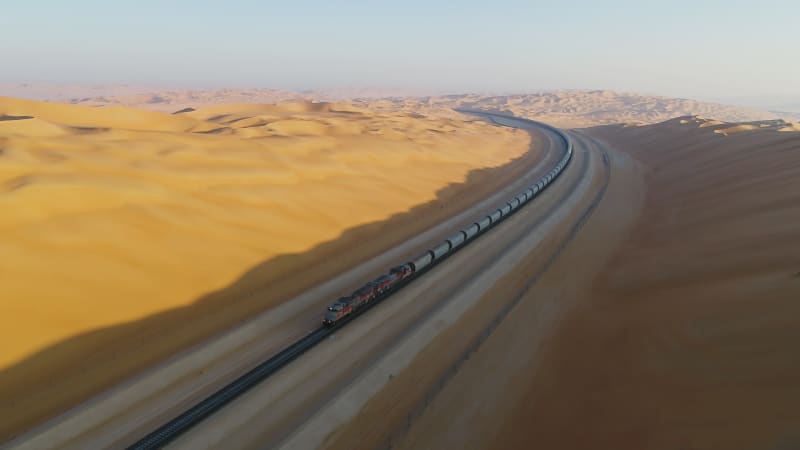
110	215
565	108
579	109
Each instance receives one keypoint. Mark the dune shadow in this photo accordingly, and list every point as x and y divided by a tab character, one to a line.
184	110
214	131
89	130
64	374
4	117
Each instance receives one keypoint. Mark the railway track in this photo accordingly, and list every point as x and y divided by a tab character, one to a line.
197	413
500	316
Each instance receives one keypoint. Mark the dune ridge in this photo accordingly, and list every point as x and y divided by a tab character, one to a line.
565	108
687	338
128	212
580	109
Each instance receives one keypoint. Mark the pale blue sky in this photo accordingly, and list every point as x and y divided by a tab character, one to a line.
701	49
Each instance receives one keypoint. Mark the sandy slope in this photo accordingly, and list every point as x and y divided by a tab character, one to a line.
679	333
113	214
434	352
687	339
131	409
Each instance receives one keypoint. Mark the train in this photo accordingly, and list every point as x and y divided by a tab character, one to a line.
361	298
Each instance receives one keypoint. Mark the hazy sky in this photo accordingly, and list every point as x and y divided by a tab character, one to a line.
703	49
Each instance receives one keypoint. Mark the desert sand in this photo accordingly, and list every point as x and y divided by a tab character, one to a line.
150	97
566	108
384	420
685	338
688	339
675	331
112	215
578	109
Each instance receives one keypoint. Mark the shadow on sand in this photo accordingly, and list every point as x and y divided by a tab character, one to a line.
4	117
62	375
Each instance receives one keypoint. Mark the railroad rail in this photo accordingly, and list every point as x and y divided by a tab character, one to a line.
197	413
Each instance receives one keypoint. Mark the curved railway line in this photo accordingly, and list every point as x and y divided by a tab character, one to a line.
406	331
420	265
488	330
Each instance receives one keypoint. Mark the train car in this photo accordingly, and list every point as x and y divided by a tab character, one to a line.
338	310
471	230
457	239
401	272
422	261
346	306
382	284
440	250
364	295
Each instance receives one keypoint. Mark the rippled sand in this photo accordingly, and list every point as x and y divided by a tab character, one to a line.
112	214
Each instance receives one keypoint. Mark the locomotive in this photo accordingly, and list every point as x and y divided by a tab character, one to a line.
363	296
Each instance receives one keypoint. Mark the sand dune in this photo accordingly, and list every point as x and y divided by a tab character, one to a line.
112	214
790	126
154	98
173	100
679	331
688	339
569	109
577	109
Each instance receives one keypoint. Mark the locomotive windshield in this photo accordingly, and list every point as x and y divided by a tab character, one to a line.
335	307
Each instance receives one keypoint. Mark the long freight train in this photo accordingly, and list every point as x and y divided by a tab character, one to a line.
365	295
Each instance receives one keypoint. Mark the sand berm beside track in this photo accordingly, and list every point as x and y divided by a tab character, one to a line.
686	338
129	235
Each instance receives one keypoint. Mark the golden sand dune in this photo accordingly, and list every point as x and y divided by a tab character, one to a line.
114	214
173	100
570	109
94	119
154	98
